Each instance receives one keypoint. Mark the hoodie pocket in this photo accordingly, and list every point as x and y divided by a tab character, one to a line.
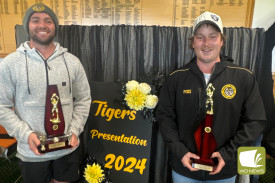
41	104
34	104
67	101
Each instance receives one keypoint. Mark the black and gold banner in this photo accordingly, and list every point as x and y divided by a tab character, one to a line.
117	136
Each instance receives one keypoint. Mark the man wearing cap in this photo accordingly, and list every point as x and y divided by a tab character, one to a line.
25	76
209	87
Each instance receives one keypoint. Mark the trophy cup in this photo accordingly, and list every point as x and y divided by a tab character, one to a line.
204	137
54	124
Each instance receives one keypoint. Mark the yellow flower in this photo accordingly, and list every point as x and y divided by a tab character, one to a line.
135	99
93	174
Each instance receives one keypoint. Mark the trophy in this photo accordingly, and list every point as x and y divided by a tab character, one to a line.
54	124
204	137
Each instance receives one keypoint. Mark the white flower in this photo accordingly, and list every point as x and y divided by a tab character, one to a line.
130	85
151	101
144	88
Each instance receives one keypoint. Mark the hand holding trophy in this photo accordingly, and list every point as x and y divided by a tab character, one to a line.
205	140
54	124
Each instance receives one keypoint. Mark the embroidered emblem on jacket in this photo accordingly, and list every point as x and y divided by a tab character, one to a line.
228	91
186	91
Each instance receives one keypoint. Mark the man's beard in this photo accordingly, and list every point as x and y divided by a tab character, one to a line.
34	38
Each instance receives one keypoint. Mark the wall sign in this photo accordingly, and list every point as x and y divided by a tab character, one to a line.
129	12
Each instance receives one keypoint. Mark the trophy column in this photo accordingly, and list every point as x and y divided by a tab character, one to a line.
54	124
204	137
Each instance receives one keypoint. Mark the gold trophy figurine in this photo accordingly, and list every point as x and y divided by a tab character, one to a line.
54	101
209	92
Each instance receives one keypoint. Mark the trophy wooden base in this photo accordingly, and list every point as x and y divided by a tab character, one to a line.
202	165
49	144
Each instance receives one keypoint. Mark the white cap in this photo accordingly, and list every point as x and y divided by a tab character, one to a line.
208	17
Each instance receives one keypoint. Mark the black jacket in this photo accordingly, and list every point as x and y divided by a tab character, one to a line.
239	115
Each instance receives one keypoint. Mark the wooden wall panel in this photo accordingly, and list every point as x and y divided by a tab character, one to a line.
234	13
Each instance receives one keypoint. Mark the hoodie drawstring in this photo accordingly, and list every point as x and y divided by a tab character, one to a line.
67	73
27	71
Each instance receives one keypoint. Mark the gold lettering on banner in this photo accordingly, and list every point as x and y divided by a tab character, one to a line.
104	111
118	138
57	145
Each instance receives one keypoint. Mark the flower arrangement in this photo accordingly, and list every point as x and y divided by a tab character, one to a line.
93	172
138	96
142	95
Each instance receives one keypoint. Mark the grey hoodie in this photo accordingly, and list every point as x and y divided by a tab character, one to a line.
24	75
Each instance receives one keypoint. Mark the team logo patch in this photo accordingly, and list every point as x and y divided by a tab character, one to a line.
228	91
38	7
214	17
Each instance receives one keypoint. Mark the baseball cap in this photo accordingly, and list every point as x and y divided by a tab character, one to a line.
208	17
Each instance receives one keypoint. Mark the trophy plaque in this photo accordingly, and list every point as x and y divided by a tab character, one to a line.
204	137
54	124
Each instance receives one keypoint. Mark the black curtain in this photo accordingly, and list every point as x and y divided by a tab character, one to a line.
120	52
111	53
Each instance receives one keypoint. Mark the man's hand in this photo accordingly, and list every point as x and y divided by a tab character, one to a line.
74	141
33	142
187	162
220	165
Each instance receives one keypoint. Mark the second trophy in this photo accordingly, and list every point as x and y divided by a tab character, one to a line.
204	137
